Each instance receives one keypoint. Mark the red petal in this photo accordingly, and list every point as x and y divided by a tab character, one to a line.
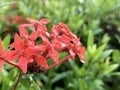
23	31
57	44
45	40
31	20
42	21
53	54
45	21
10	55
80	53
31	51
1	64
56	30
65	29
76	41
18	43
23	64
29	43
34	35
64	38
72	54
42	47
35	50
41	61
0	46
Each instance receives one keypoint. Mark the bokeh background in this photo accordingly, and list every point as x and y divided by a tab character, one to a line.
96	22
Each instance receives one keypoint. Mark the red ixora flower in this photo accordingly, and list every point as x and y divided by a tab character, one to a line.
32	51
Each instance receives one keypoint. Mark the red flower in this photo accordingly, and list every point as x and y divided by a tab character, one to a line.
30	53
62	33
24	50
41	31
24	33
18	19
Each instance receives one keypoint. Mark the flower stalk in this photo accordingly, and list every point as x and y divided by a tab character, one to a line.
16	84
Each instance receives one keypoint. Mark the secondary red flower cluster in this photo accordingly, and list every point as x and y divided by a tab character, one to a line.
27	51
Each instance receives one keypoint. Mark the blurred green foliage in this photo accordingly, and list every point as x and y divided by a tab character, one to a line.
96	22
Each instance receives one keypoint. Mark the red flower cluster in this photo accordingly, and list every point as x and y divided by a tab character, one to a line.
26	51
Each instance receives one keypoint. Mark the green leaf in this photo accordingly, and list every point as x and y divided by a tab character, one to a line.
105	39
98	52
74	67
93	49
116	55
110	68
115	73
90	39
60	76
28	83
6	82
105	54
44	77
6	42
83	84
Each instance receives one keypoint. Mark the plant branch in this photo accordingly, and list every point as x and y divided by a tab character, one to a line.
61	61
13	64
15	86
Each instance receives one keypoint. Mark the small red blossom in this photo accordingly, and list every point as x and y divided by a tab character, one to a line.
32	51
18	19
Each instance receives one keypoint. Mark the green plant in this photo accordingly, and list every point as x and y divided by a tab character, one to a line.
91	75
97	20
